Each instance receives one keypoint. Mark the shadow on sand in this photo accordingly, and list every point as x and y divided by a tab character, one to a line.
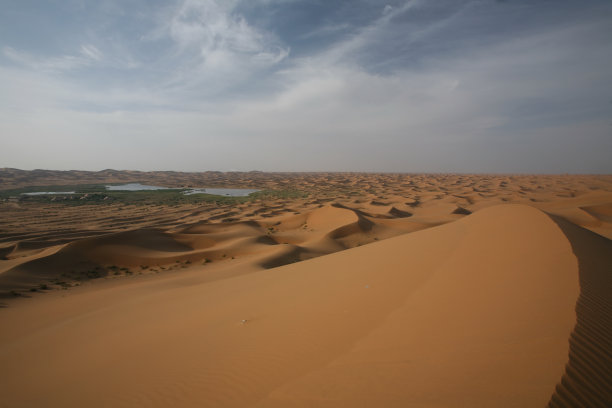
587	381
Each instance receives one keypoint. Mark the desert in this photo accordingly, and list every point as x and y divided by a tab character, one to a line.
297	203
328	289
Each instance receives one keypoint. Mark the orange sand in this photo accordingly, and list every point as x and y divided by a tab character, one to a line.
407	291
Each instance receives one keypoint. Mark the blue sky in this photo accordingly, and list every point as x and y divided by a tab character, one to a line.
295	85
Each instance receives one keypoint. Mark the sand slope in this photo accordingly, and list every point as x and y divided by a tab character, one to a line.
474	313
276	240
588	377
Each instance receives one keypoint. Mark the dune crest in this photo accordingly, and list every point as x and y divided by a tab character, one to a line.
588	375
472	313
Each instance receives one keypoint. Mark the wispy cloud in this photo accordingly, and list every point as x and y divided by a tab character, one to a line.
365	37
91	52
411	86
326	30
216	46
52	64
87	56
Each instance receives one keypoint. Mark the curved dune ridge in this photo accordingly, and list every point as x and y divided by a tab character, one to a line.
587	381
276	241
505	307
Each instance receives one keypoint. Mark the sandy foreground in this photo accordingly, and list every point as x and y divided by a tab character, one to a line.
373	290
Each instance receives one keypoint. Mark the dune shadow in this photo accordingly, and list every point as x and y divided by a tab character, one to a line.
461	211
265	239
587	381
291	255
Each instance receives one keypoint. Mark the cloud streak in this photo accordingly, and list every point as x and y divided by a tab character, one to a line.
53	64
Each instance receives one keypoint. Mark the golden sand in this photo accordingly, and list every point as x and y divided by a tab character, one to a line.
374	290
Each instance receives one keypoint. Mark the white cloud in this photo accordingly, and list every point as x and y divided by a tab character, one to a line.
344	51
49	64
87	56
215	44
92	52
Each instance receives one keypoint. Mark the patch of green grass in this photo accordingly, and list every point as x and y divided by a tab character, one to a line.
274	194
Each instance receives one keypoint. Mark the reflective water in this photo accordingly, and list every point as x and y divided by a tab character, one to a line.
48	192
232	192
134	187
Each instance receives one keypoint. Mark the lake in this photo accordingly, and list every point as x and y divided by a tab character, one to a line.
48	192
231	192
228	192
134	187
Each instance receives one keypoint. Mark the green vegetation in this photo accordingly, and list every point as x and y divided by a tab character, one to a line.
274	194
87	194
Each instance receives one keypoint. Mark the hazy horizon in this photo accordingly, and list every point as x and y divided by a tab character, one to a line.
417	86
433	173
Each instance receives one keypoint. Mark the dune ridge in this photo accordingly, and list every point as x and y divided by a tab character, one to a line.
455	315
587	381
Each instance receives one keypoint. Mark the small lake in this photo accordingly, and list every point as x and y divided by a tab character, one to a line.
230	192
48	192
134	187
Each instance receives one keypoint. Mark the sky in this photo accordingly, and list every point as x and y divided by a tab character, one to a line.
470	86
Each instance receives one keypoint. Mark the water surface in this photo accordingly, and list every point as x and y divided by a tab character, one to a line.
48	192
228	192
134	187
231	192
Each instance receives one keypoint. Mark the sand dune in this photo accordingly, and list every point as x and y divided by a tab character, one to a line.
278	240
588	376
373	290
472	313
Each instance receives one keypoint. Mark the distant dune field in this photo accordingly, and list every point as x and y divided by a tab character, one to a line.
363	290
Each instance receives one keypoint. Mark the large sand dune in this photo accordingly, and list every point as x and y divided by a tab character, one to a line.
475	313
402	292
